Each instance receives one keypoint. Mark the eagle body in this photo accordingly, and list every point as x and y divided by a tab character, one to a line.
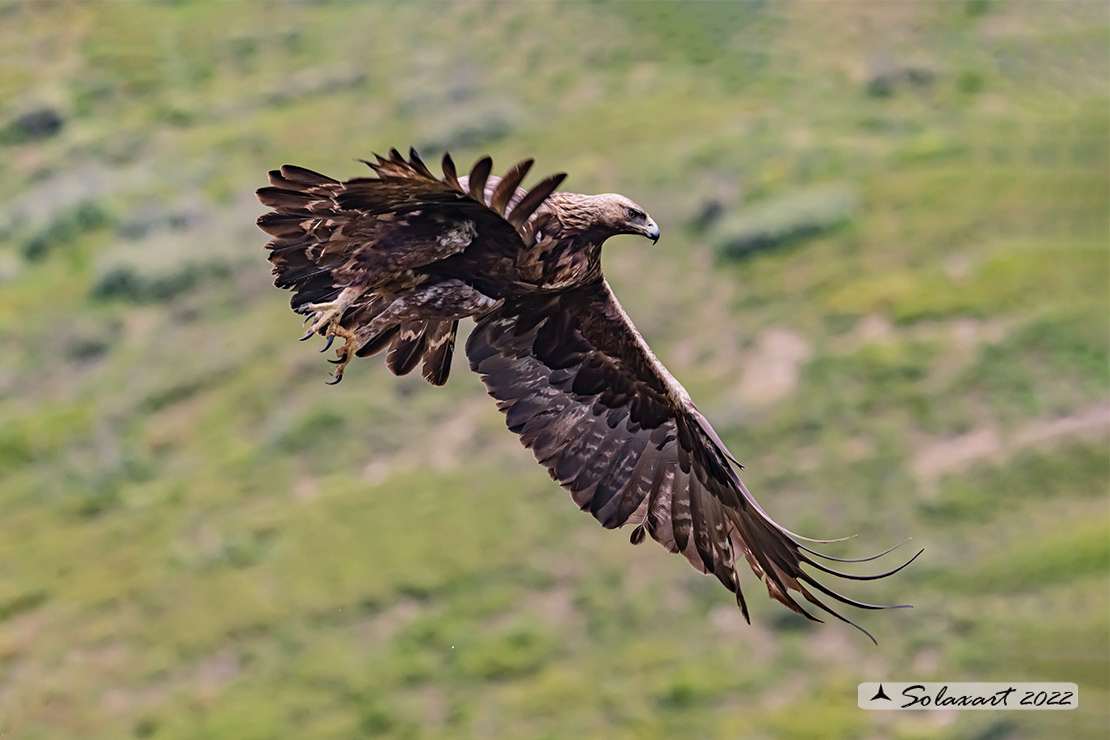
397	260
561	257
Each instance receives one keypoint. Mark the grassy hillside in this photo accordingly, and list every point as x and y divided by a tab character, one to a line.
883	275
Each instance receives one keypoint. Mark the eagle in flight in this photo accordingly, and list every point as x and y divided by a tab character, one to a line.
397	260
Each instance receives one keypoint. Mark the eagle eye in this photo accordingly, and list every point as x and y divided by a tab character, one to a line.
634	215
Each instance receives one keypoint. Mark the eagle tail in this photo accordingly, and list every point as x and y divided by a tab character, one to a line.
439	350
430	341
410	343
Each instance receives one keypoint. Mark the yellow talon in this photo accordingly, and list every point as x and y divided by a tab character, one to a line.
326	318
344	353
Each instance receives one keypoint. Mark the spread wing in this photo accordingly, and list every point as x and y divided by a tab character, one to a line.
611	425
379	232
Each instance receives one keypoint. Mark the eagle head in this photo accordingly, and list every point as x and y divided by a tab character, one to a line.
621	216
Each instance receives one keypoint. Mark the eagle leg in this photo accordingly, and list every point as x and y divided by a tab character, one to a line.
326	319
345	353
326	316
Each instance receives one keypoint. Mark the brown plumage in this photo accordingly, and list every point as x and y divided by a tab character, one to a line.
399	259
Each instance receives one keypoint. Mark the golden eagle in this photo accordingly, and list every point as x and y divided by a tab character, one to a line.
398	259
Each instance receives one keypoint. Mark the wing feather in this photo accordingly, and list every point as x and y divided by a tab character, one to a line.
506	188
524	209
450	175
478	176
612	426
385	234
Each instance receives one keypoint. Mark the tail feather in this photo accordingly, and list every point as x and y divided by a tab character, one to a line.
411	342
375	344
441	346
407	347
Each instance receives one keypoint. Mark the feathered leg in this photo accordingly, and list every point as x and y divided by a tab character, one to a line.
326	316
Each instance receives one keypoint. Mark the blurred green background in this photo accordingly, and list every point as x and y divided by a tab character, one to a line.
883	274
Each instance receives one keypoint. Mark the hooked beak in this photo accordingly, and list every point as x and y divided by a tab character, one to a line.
651	231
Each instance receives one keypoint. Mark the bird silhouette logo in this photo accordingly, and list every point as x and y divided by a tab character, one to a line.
880	694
